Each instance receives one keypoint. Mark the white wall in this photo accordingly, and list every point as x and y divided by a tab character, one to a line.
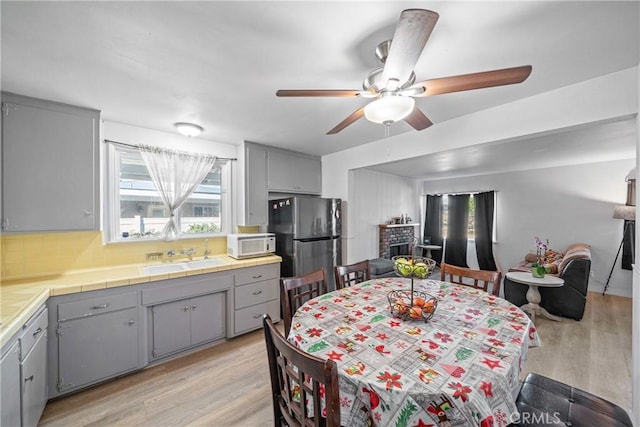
375	198
565	205
137	135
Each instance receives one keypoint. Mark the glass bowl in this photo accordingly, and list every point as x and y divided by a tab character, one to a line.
408	306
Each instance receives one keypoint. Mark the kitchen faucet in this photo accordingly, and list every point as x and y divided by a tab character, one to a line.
206	248
189	252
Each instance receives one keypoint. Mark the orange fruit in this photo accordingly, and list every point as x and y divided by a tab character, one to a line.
400	308
429	306
415	312
419	301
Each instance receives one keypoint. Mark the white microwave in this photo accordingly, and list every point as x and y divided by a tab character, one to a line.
250	245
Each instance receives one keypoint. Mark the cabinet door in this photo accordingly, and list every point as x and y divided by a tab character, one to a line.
256	192
97	347
9	386
34	382
49	167
294	173
207	318
171	327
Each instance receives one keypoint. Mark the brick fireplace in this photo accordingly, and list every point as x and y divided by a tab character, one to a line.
395	239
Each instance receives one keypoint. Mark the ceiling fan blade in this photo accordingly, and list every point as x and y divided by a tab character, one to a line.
418	120
507	76
411	35
356	115
319	92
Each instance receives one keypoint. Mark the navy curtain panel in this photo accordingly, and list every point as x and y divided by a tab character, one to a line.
483	224
433	225
457	225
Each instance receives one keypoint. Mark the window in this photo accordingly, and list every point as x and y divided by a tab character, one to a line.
135	211
445	216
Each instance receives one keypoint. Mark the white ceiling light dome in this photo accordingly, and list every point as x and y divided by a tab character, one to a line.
389	108
188	129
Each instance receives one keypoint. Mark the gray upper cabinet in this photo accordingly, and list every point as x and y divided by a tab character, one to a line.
50	169
291	172
256	192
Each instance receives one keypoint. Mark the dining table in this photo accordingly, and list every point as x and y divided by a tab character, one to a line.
459	368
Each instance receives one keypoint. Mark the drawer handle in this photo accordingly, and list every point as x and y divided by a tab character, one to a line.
131	322
39	330
258	276
100	307
257	316
30	378
257	292
193	307
187	308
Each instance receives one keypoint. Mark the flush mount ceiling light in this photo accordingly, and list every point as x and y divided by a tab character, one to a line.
389	109
188	129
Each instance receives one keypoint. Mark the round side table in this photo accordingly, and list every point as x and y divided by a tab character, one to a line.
430	248
533	294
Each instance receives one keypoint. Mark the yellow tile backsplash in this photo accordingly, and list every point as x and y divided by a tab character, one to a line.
25	255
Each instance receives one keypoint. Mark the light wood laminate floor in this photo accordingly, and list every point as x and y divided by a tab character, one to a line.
228	384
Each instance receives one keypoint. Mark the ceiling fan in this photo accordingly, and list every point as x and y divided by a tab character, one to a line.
393	85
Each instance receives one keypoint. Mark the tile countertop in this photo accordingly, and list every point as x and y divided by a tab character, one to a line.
21	298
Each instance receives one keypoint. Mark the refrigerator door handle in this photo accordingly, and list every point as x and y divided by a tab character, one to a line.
315	239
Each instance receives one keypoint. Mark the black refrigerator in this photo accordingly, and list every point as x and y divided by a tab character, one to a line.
307	233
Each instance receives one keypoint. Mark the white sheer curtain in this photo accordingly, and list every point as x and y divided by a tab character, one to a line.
176	175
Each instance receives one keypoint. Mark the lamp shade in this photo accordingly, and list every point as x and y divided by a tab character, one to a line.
624	212
389	109
188	129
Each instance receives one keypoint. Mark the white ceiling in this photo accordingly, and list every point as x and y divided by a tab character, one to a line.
219	64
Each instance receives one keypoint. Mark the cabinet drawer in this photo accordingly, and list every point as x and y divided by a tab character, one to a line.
259	273
185	287
33	329
93	306
256	293
250	318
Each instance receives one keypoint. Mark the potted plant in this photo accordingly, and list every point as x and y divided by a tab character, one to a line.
537	268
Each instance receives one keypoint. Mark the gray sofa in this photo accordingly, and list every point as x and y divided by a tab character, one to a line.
566	301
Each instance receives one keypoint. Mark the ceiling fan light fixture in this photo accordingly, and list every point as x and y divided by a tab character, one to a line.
188	129
389	109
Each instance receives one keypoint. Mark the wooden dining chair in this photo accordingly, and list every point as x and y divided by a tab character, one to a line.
296	378
347	275
295	291
479	279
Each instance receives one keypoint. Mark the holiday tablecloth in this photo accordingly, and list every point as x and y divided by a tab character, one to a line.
458	369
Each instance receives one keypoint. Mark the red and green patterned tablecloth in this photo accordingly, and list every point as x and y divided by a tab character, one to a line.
459	369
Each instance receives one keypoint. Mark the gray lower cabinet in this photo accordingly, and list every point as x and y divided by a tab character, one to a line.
34	372
181	324
96	336
184	313
257	291
23	374
9	385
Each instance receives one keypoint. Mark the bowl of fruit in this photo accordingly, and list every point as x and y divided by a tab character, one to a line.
408	266
409	305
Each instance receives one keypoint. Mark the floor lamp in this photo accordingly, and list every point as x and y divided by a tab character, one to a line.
627	213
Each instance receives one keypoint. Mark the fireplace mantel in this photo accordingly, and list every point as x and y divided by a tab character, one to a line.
412	224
